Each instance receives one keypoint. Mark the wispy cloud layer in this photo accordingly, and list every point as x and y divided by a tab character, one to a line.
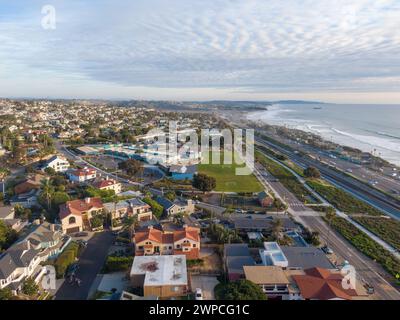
253	46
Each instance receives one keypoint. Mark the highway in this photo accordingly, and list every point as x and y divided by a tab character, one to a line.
361	191
367	270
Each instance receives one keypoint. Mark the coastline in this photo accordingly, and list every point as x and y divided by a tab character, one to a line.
379	143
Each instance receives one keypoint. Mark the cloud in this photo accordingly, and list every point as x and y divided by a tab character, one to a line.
253	45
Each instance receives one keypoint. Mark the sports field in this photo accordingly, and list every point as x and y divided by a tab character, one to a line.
227	180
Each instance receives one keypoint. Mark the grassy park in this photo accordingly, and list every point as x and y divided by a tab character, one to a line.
226	178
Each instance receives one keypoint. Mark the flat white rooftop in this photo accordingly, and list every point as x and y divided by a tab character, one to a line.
161	270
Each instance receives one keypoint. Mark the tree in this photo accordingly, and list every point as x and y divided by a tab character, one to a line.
47	192
239	290
29	287
170	195
277	226
131	166
156	208
58	198
21	212
203	182
97	221
6	294
312	172
7	236
50	171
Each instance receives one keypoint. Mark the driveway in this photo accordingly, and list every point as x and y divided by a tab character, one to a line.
90	264
206	284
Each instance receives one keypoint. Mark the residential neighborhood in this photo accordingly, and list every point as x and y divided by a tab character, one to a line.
105	210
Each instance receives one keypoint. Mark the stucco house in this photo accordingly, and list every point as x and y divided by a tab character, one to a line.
75	215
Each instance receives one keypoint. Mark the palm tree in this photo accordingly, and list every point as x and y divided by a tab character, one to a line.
277	228
47	191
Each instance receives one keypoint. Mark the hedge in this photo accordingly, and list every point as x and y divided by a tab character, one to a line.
66	258
114	264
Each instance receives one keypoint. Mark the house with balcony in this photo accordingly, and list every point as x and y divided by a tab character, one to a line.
108	184
40	243
81	175
129	208
75	215
58	163
153	241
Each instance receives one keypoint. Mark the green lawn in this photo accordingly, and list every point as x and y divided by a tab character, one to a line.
227	180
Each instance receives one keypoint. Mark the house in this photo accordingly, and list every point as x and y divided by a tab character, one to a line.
129	208
153	241
81	175
7	212
48	238
163	276
176	206
178	172
58	163
31	183
273	281
108	184
7	215
26	200
235	257
272	255
323	284
23	259
265	199
75	215
306	257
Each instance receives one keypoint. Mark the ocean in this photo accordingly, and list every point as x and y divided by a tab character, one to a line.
370	128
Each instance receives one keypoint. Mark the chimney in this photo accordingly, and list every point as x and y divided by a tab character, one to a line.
87	200
150	227
185	226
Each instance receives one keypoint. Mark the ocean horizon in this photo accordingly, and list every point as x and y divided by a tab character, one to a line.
369	127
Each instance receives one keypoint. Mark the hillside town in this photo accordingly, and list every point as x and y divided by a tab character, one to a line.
91	181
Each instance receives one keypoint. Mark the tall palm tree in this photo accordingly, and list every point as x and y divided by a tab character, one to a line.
277	226
47	191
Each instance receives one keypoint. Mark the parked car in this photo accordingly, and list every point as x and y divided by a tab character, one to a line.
327	250
198	294
81	234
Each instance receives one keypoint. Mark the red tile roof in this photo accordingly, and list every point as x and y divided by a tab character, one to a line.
79	206
187	233
321	284
150	234
104	183
83	172
159	236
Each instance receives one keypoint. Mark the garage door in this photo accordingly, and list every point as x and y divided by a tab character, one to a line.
73	230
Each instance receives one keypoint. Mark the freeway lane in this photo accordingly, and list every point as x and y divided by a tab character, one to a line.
361	191
366	269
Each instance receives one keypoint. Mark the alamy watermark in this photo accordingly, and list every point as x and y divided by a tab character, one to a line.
49	19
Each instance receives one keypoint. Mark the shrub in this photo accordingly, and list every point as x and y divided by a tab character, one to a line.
66	258
115	263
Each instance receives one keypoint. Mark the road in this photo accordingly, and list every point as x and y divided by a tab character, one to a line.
90	264
366	269
351	185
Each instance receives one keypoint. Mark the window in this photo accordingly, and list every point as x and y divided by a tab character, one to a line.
194	245
72	220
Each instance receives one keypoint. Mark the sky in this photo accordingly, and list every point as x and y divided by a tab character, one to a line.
342	51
